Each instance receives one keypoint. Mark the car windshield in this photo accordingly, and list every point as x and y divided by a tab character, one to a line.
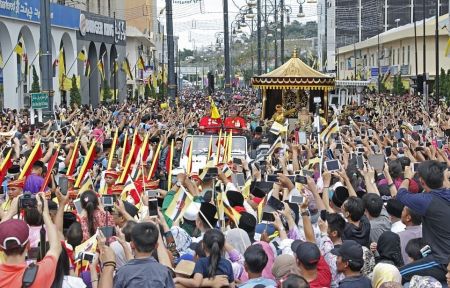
201	144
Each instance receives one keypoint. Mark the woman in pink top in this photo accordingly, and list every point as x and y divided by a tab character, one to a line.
97	132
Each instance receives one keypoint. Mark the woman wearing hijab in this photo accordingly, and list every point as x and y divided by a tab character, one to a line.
388	260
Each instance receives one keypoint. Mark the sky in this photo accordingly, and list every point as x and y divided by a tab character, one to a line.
197	23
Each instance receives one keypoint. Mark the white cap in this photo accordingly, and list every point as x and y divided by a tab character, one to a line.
191	212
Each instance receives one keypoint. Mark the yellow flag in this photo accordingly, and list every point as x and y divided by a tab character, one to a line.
214	111
18	49
61	69
447	49
82	56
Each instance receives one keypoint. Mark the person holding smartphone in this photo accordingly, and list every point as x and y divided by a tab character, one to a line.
14	242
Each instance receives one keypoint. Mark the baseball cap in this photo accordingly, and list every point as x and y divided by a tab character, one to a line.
13	234
307	253
349	250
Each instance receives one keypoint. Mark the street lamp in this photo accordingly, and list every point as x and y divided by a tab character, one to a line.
300	13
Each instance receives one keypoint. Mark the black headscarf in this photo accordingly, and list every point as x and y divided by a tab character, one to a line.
389	249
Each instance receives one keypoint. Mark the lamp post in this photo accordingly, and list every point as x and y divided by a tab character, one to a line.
226	37
45	58
171	54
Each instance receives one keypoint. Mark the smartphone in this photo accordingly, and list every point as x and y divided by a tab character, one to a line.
152	193
308	173
415	166
239	179
302	138
77	204
332	165
300	179
388	151
376	161
267	216
397	135
213	171
275	203
86	256
399	145
63	184
339	146
360	162
153	207
440	143
292	178
237	161
272	178
375	149
360	150
296	199
107	201
190	131
108	231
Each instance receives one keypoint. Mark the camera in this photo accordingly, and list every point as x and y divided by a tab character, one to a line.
27	200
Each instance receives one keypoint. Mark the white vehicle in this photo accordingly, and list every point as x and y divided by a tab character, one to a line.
200	150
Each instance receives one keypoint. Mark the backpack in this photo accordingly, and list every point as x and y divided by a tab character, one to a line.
29	275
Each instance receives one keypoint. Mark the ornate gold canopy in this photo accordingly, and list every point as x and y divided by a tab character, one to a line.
294	74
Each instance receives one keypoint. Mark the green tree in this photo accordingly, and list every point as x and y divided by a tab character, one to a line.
75	96
107	94
35	88
147	92
442	84
397	87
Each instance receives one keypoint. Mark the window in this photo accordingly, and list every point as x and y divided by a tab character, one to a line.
409	54
393	56
403	55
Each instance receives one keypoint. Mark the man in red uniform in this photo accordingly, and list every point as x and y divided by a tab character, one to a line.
234	122
209	125
110	180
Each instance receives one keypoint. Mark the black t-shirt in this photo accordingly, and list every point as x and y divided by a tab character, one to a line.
360	234
360	281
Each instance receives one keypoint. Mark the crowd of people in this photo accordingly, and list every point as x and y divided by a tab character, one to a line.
113	197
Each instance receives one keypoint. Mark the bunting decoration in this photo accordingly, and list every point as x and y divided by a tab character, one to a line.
73	158
51	164
154	163
101	68
6	164
126	68
34	156
141	63
82	56
87	68
87	164
113	148
169	164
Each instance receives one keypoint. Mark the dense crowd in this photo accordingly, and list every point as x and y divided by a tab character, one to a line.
114	196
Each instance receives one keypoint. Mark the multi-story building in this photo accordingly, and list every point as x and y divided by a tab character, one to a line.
344	22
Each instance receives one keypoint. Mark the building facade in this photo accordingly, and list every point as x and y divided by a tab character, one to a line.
19	26
397	53
344	22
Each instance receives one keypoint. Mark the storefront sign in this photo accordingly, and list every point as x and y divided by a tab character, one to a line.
110	30
39	100
29	10
374	72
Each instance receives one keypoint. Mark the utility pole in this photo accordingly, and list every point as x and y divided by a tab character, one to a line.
425	88
226	40
171	54
275	33
115	59
436	38
265	36
258	35
282	31
45	58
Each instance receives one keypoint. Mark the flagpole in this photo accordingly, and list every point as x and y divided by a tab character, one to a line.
7	60
70	68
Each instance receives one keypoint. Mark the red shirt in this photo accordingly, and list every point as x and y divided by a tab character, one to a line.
11	275
323	275
235	122
211	125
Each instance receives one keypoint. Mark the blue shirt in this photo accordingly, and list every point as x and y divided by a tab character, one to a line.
33	183
143	273
223	268
268	283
